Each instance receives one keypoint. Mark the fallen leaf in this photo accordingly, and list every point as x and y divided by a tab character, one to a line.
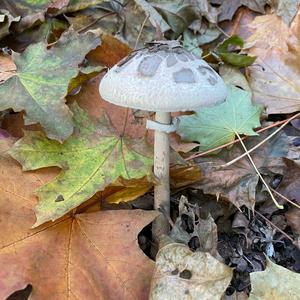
91	159
49	31
233	76
289	186
267	285
89	256
229	7
285	9
183	274
154	17
6	19
7	67
110	52
42	80
238	182
275	78
293	220
218	125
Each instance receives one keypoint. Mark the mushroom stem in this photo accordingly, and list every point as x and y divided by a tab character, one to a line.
161	171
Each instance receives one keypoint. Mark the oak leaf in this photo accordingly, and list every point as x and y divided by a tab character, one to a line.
91	159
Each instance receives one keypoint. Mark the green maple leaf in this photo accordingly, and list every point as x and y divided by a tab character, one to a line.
218	125
91	159
41	83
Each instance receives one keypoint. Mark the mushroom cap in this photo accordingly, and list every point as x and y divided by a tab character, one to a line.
164	77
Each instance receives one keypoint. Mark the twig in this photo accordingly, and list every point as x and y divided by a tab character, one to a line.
222	31
199	154
277	228
262	142
285	198
140	32
258	173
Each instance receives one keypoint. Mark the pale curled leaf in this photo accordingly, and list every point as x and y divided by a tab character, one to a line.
91	159
215	126
275	283
41	82
186	275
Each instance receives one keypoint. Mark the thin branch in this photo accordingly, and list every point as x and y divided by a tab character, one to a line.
285	198
277	228
140	32
258	173
262	142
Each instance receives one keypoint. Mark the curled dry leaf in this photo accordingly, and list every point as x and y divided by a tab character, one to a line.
238	182
183	274
90	256
275	77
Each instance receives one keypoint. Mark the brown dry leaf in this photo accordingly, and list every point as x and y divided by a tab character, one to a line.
90	100
275	77
90	256
238	182
110	52
7	67
186	275
293	219
290	185
229	7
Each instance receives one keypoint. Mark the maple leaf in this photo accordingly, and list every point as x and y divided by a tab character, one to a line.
263	283
90	256
91	159
238	182
215	126
42	80
275	79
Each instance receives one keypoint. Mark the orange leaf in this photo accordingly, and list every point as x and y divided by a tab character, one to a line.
88	256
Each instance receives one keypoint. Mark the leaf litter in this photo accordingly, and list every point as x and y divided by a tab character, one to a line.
227	218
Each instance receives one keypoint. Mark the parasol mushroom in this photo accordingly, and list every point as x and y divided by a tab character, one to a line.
164	78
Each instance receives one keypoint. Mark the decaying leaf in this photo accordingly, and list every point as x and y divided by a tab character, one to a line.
6	19
90	256
275	78
268	284
233	76
238	182
91	159
290	186
229	7
42	80
215	126
285	9
183	274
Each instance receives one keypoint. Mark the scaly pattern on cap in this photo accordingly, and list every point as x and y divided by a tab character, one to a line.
163	77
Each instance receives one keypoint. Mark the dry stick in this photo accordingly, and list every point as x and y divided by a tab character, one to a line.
258	173
140	32
285	198
199	154
262	142
277	228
